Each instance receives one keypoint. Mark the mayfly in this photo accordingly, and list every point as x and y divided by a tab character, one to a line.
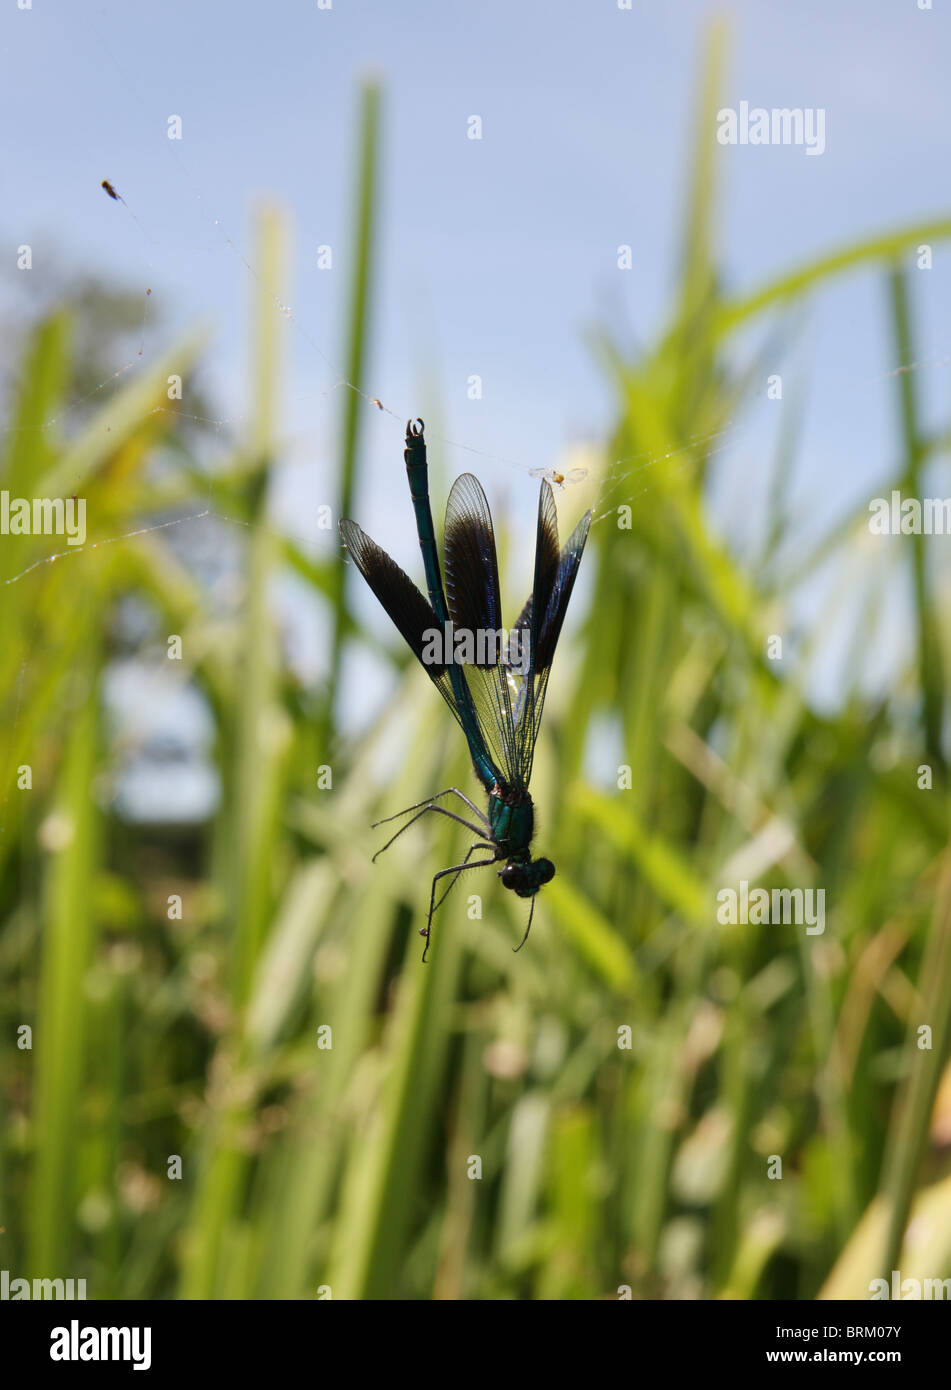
498	691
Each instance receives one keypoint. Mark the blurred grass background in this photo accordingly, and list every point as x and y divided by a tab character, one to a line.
324	1091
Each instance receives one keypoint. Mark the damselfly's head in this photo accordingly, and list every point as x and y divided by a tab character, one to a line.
525	877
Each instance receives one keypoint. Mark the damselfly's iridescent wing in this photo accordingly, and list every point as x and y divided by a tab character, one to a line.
507	683
409	611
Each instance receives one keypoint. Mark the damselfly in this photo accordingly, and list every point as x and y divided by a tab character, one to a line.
494	683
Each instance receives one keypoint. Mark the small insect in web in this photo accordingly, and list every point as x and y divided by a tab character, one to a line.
551	475
116	197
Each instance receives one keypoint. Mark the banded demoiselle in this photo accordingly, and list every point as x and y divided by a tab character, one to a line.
494	685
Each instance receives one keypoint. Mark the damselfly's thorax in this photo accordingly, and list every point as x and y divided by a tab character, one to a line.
512	822
511	819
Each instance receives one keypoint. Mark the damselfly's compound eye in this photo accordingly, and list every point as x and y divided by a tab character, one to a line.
511	875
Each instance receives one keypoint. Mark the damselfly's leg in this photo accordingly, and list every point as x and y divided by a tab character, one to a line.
479	844
453	869
428	801
454	791
440	811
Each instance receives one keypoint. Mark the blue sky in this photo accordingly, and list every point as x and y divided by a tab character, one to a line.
494	257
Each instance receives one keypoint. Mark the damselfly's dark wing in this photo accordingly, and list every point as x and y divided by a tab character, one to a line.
475	610
507	683
410	613
408	610
543	616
